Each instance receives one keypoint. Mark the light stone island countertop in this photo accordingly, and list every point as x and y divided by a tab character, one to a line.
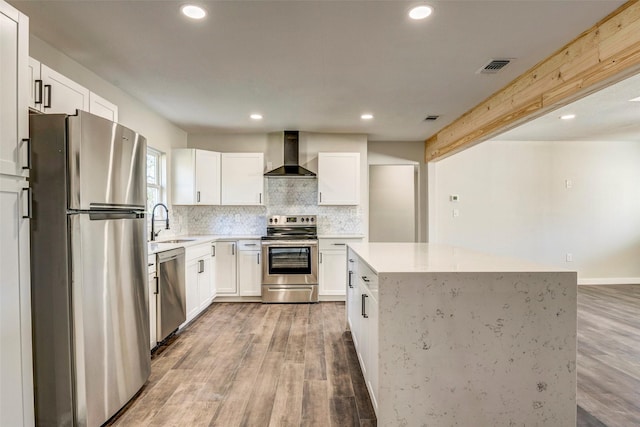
432	258
463	338
193	240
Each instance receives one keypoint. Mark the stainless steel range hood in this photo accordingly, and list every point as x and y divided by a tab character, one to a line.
291	168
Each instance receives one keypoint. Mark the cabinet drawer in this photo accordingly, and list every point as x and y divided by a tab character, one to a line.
249	245
369	278
337	244
192	252
151	264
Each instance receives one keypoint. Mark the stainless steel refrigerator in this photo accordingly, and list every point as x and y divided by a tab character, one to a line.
89	268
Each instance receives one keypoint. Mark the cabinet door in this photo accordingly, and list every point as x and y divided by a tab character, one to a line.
16	391
152	310
333	272
204	283
35	85
61	94
192	269
242	178
14	90
103	108
207	177
226	268
372	349
338	178
249	273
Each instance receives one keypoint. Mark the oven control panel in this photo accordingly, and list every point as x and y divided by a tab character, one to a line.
292	220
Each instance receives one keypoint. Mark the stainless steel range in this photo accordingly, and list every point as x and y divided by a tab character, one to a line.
290	254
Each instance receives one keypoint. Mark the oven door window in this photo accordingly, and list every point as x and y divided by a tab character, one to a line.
290	260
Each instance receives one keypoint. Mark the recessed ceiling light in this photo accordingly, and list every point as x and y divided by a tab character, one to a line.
366	116
193	11
635	99
420	12
568	116
256	116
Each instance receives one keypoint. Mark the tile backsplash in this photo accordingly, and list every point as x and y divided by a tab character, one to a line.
284	196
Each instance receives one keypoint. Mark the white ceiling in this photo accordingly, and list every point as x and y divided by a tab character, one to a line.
310	65
607	115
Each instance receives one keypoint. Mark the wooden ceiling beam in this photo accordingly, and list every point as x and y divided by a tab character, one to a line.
606	53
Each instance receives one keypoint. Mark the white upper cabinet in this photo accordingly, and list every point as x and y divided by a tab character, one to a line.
195	177
103	108
51	92
338	178
14	91
242	178
61	94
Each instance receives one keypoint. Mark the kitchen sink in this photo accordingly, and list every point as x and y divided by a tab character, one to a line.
176	241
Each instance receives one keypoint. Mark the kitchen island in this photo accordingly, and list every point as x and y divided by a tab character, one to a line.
447	336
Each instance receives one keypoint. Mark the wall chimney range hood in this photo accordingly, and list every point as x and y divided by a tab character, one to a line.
291	168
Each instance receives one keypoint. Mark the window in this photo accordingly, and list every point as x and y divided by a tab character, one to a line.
154	180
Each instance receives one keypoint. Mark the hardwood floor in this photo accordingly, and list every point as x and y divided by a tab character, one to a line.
609	353
256	365
293	365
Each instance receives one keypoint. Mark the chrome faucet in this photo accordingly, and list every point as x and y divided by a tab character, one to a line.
153	219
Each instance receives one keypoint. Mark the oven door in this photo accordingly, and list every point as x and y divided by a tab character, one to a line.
290	262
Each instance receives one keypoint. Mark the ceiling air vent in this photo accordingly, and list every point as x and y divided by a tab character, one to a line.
494	66
431	118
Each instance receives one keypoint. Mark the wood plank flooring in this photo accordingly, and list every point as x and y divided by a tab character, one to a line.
256	365
293	365
609	353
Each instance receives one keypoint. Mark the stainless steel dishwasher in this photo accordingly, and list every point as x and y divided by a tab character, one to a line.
171	304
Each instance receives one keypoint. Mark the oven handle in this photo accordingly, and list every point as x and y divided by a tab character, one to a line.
289	243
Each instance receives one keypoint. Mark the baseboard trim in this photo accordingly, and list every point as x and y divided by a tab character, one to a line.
610	281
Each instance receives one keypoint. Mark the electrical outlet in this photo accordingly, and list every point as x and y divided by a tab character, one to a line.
569	257
454	197
456	213
568	183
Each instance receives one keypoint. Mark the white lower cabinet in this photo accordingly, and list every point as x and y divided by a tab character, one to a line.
16	392
226	268
249	268
198	263
153	294
332	265
362	315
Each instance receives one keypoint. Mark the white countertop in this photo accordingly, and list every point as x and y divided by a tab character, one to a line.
432	258
160	246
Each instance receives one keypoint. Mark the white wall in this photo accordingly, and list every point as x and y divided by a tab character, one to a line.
514	201
392	200
405	153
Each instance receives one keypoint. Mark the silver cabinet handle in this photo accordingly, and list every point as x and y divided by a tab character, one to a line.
233	249
260	198
258	258
364	305
365	279
251	244
198	196
320	257
339	244
350	276
213	250
350	260
200	266
320	194
157	285
29	214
